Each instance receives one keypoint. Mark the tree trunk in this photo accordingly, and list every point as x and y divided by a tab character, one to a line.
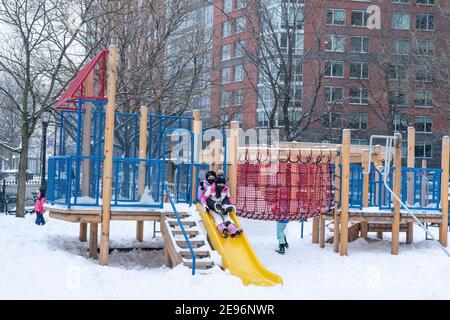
21	187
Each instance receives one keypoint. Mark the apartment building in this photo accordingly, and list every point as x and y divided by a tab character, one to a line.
371	79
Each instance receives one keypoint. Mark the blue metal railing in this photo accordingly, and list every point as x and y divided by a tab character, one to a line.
65	182
425	189
182	228
424	186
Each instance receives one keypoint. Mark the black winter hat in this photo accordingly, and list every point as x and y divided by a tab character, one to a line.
210	173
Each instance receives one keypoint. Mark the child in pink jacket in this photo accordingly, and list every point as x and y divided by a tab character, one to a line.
39	207
219	203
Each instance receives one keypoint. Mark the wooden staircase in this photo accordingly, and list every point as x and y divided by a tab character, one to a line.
176	249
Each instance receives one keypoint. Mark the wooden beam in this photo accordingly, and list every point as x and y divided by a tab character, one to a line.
346	135
410	182
143	124
108	162
83	232
395	245
337	203
233	154
322	232
443	232
93	240
315	229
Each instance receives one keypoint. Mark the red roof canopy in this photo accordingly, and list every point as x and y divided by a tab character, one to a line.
77	88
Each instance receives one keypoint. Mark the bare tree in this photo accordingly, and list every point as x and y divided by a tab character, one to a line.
278	54
39	53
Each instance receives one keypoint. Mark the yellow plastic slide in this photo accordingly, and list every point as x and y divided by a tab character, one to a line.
237	255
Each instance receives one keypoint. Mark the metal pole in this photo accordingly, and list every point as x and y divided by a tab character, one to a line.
44	150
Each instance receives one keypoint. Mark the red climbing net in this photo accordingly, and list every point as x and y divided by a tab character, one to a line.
284	190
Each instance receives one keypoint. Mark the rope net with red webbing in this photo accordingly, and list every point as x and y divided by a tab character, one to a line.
289	189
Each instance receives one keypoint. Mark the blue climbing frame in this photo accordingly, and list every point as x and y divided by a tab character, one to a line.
65	180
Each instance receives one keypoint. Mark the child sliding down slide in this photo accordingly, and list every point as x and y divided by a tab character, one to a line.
219	203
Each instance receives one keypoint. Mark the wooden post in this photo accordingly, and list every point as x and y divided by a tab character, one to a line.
233	154
443	232
196	129
365	192
83	232
410	183
346	134
108	162
315	229
321	232
85	167
337	202
395	245
143	124
93	240
424	186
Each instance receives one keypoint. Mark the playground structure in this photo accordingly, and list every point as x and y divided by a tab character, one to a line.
120	168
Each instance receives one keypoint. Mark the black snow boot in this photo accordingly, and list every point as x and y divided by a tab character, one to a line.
282	249
287	244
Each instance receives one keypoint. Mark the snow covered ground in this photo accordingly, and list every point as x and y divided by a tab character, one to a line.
50	263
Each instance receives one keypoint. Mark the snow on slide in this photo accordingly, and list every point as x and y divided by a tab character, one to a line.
238	256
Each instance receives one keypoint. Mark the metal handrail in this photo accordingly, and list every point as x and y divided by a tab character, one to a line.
169	196
388	158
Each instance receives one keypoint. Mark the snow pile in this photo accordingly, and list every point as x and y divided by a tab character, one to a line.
50	263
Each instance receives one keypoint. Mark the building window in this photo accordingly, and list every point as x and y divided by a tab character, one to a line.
359	18
335	17
262	119
424	73
334	69
425	46
401	1
401	21
241	24
401	46
238	98
239	49
239	73
358	121
226	29
359	96
398	72
332	120
334	95
226	75
400	122
294	19
359	70
423	150
335	43
424	99
241	4
425	22
424	124
295	44
225	99
426	2
397	98
227	6
360	44
226	52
